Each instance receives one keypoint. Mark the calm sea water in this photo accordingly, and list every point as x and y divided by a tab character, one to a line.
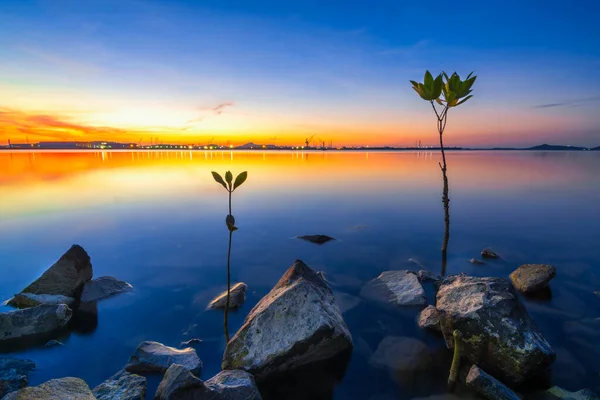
156	220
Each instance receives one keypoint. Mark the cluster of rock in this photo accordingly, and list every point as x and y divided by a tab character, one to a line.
48	303
296	324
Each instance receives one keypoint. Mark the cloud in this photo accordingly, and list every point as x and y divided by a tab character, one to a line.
208	111
571	103
67	64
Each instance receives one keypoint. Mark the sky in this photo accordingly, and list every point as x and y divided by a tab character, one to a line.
272	71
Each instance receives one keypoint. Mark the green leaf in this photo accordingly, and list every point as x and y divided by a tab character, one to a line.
218	178
228	176
437	86
463	100
439	101
415	84
428	81
241	178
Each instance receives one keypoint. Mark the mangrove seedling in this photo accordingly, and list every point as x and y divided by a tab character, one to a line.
230	185
455	360
448	92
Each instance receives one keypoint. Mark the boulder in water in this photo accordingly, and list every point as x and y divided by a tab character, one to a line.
498	333
532	277
156	357
429	318
26	300
488	386
317	239
55	389
398	288
296	323
237	296
122	386
33	322
103	287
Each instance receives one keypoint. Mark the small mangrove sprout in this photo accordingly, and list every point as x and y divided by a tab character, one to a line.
230	185
455	360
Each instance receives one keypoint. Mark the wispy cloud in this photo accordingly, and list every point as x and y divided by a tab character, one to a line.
66	63
207	112
570	103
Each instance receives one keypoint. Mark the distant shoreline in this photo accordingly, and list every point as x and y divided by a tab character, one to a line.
362	149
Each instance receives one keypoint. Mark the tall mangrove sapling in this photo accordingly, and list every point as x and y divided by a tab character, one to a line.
230	185
447	92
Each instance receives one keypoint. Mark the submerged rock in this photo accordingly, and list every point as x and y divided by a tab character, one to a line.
317	239
487	253
66	277
180	384
488	386
296	323
532	277
400	288
583	394
428	276
156	357
429	318
498	334
122	386
190	342
54	343
14	374
26	300
401	355
103	287
345	301
476	261
55	389
35	321
237	297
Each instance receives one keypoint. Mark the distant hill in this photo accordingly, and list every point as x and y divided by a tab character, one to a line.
550	147
596	148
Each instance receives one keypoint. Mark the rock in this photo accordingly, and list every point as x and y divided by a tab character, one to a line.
30	322
400	288
532	277
55	389
488	386
476	261
26	300
401	355
429	318
53	343
486	253
66	277
498	334
190	342
179	384
583	394
121	386
597	293
156	357
428	276
14	374
295	324
345	301
317	239
237	296
103	287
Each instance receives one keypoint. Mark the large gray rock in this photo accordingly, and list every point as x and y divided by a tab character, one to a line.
31	322
14	374
55	389
122	386
488	386
103	287
429	318
399	288
26	300
532	277
156	357
180	384
498	334
296	323
237	296
402	355
66	277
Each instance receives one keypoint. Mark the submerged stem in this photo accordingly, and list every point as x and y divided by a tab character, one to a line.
228	286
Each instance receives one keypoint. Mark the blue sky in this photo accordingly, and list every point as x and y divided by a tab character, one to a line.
289	69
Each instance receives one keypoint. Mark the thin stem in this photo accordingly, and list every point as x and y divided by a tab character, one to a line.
228	285
455	360
230	202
